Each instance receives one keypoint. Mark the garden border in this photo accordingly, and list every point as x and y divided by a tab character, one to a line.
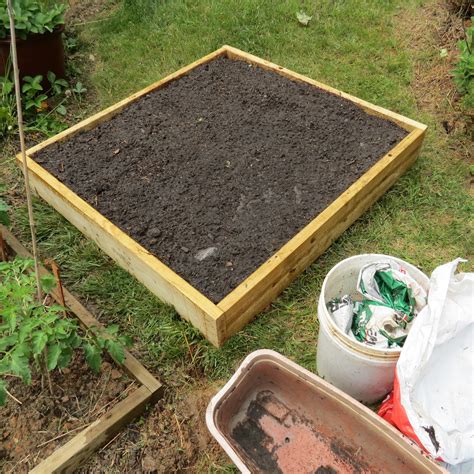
219	321
67	457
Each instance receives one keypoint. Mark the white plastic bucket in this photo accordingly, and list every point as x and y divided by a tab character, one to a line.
361	371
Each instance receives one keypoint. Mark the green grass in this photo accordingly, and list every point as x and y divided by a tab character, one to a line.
351	45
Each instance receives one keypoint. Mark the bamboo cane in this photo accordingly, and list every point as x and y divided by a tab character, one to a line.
22	144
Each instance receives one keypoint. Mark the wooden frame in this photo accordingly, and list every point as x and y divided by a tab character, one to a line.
80	447
219	321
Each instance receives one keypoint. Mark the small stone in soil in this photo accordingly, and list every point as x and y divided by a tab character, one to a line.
115	374
205	253
185	249
149	464
155	232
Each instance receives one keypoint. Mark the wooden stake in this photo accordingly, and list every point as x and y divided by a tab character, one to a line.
22	144
57	276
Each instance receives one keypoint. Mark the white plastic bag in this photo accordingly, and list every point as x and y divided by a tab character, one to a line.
436	368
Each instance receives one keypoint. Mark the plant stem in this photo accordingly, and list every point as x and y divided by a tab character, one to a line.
13	397
46	371
466	38
22	145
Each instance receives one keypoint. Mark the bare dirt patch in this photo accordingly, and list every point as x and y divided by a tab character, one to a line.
83	11
432	35
171	437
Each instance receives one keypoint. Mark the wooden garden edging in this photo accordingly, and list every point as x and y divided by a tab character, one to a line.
219	321
80	447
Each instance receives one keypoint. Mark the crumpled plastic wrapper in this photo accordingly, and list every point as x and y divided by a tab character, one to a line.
391	299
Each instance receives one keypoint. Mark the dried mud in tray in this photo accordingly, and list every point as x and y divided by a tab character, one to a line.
216	171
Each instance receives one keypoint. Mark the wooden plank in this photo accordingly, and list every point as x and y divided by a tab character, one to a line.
131	365
79	448
404	122
155	275
260	288
114	109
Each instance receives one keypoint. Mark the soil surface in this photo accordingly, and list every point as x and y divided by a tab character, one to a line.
30	432
81	12
216	171
171	437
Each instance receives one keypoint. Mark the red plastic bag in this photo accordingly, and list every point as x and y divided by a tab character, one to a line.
392	411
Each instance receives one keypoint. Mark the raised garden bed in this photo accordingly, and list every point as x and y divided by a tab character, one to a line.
216	190
89	411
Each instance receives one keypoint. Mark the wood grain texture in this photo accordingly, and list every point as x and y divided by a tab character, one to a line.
218	322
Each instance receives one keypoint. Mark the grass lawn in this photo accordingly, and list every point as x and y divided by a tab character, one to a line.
359	46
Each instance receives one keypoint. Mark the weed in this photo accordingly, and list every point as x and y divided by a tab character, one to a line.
464	71
7	107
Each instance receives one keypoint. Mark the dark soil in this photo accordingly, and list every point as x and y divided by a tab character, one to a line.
32	431
216	171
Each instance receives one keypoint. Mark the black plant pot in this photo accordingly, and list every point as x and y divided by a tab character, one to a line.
37	54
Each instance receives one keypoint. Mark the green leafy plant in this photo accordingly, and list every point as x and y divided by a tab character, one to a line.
43	109
31	17
33	92
464	71
4	207
7	106
36	337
